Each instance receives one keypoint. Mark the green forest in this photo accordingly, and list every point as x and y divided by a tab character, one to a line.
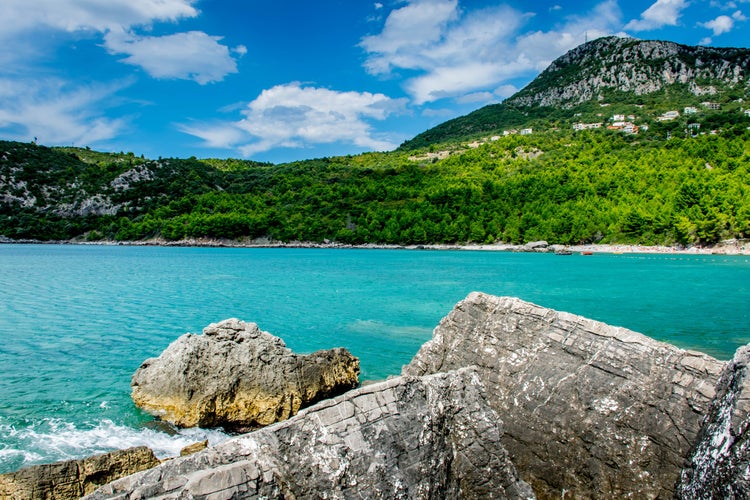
562	187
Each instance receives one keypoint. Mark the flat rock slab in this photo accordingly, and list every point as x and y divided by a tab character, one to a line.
408	437
590	410
236	376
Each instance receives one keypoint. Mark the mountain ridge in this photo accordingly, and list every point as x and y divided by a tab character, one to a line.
626	68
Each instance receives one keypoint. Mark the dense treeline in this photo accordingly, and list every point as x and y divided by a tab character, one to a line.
594	186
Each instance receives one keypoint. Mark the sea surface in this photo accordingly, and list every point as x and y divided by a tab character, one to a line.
77	321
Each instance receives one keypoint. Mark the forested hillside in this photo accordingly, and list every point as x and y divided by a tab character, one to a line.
591	186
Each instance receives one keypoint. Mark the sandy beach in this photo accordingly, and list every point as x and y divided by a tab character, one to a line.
728	247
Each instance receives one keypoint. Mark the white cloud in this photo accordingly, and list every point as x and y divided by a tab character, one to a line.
739	16
219	135
57	113
192	55
504	91
456	80
295	116
407	33
96	15
439	113
542	47
722	24
188	56
483	97
661	13
240	50
454	53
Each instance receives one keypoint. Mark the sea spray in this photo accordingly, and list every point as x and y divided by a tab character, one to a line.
53	439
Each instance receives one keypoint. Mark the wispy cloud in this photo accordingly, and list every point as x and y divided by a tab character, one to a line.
455	53
295	116
189	56
57	113
662	13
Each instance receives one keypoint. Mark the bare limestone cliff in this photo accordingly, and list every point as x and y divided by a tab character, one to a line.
431	437
589	410
629	65
238	377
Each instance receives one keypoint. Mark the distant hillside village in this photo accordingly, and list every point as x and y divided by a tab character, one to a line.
626	125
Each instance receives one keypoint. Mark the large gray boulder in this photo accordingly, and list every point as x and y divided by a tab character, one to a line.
589	410
237	377
719	465
408	437
71	479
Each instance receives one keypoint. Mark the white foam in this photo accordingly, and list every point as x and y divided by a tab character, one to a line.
54	440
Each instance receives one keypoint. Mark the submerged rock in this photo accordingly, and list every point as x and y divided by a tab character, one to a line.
408	437
590	410
719	465
236	376
72	479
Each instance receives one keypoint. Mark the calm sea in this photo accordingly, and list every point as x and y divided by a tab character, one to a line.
76	321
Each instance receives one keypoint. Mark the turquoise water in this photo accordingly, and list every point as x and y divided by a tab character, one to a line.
76	321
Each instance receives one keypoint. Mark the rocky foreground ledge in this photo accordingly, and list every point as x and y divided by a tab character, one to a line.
408	437
508	400
589	409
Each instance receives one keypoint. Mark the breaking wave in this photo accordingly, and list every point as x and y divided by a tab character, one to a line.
53	439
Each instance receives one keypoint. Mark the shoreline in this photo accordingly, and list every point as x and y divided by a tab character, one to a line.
727	247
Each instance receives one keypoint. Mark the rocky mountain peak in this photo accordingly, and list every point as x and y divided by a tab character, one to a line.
633	66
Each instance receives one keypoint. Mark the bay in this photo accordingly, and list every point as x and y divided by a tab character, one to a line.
76	321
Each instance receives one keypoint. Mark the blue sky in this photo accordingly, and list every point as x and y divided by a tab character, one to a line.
286	80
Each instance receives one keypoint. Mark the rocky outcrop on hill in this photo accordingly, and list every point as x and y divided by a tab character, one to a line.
589	410
72	479
719	465
408	437
629	65
236	376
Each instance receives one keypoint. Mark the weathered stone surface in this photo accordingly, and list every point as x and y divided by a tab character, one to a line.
408	437
719	465
194	448
589	410
236	376
72	479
